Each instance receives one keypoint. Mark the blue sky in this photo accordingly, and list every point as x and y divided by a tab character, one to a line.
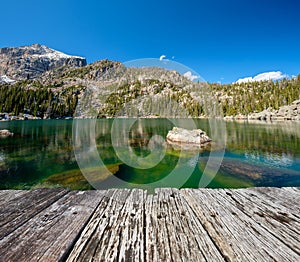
221	40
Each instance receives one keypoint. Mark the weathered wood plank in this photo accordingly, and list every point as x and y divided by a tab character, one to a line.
19	210
237	235
286	197
275	218
270	240
6	195
173	232
50	234
132	240
90	238
157	238
125	241
115	232
258	224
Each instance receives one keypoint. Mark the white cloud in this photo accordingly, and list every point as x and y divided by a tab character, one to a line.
270	76
276	75
244	80
162	57
190	76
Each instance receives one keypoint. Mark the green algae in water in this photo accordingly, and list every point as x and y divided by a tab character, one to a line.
74	180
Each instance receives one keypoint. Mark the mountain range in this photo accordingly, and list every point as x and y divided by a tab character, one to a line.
40	82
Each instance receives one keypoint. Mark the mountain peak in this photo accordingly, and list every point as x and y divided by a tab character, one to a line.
29	62
45	51
36	45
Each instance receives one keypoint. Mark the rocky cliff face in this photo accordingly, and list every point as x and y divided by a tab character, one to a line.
30	62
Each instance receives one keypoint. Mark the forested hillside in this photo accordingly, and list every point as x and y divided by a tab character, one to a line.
38	100
53	95
57	92
246	98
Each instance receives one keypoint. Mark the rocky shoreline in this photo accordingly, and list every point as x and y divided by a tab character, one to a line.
284	113
9	117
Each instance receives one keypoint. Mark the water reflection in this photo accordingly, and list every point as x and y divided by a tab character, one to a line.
278	137
41	154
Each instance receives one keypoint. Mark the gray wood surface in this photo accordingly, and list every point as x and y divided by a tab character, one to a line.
6	195
17	211
255	224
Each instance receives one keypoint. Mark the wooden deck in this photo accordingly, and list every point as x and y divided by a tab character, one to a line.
257	224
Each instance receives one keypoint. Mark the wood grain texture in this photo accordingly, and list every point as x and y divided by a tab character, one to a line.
19	210
255	224
174	232
276	219
239	236
51	233
115	232
287	197
6	195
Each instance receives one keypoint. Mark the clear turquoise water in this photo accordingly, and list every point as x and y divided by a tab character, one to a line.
40	154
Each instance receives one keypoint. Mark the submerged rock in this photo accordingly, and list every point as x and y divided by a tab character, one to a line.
188	139
5	133
75	180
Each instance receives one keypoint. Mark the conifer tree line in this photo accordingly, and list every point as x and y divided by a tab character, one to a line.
38	100
58	100
151	102
234	99
247	98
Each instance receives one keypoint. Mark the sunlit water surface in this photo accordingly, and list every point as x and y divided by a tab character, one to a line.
40	154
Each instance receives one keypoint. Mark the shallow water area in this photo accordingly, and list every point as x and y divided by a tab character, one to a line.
41	154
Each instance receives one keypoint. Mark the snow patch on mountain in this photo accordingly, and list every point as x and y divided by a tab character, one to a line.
54	54
6	79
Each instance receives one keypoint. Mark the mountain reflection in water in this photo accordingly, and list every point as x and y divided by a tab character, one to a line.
40	154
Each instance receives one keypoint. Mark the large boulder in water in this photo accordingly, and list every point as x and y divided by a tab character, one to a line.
5	133
184	136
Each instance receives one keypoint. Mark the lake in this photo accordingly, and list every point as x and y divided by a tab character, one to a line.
41	154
